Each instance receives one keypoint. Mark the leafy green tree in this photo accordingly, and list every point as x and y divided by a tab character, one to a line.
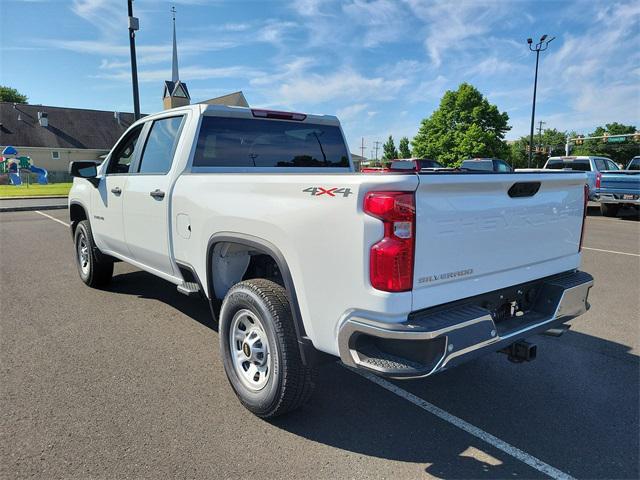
551	141
618	152
464	125
403	148
389	151
8	94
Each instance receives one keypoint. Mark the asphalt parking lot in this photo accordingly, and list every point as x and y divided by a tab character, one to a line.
127	382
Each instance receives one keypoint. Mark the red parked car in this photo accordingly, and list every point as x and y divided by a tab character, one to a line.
414	165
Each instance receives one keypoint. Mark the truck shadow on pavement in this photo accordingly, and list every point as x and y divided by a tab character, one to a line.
145	285
576	407
569	408
626	214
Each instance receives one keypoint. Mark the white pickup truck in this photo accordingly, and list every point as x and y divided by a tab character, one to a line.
400	274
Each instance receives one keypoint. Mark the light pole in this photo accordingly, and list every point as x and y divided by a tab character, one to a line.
541	46
133	26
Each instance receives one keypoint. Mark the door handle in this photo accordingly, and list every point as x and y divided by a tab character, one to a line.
116	190
157	194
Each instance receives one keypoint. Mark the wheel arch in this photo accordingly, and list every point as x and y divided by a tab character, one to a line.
308	352
77	213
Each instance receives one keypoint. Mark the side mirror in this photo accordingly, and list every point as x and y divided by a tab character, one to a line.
85	169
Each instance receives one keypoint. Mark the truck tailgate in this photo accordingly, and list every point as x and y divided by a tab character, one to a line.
475	235
624	181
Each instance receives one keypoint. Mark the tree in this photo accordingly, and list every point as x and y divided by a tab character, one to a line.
618	152
389	151
464	125
403	148
8	94
551	142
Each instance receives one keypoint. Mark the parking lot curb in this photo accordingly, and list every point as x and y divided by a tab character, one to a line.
32	207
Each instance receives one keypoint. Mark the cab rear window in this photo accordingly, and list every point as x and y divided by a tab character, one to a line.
244	142
578	165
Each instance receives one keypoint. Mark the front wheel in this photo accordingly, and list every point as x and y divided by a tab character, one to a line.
95	268
609	209
260	350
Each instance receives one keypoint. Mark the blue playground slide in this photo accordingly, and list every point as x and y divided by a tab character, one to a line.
15	179
42	174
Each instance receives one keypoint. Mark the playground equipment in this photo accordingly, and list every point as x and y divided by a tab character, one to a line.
11	165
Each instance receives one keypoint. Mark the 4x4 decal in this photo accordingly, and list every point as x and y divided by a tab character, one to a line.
331	192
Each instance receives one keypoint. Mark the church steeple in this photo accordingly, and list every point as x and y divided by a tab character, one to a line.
174	65
175	93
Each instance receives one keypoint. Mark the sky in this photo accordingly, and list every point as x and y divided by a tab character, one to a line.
381	66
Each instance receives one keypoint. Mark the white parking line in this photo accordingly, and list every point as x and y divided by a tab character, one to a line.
507	448
611	251
52	218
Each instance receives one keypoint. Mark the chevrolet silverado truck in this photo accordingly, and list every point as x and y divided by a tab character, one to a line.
300	258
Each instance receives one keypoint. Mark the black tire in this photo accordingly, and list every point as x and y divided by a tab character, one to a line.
290	383
98	270
609	210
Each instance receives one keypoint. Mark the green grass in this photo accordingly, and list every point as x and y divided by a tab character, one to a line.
34	190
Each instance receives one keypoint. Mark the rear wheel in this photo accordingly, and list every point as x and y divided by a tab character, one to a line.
95	268
609	209
260	350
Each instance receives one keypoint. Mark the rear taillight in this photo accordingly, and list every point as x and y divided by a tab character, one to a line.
391	259
598	179
584	212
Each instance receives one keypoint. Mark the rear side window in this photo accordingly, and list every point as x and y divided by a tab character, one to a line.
611	165
600	164
502	166
429	164
245	142
161	144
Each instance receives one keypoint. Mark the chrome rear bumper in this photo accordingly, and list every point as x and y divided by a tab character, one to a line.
435	339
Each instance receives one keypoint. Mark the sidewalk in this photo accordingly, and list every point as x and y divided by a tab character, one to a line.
13	204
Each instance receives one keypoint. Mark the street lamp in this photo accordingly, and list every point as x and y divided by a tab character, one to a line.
133	26
541	46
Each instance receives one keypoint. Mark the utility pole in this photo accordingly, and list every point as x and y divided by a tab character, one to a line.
362	147
377	145
540	123
133	26
540	47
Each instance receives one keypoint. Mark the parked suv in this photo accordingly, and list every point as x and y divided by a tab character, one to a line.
486	165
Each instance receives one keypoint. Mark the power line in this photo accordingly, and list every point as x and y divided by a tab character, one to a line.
377	145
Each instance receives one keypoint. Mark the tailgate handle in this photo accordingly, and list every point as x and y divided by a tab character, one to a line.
524	189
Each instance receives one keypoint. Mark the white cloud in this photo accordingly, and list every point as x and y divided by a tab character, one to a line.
494	65
451	26
351	112
311	89
189	72
108	16
381	20
429	90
